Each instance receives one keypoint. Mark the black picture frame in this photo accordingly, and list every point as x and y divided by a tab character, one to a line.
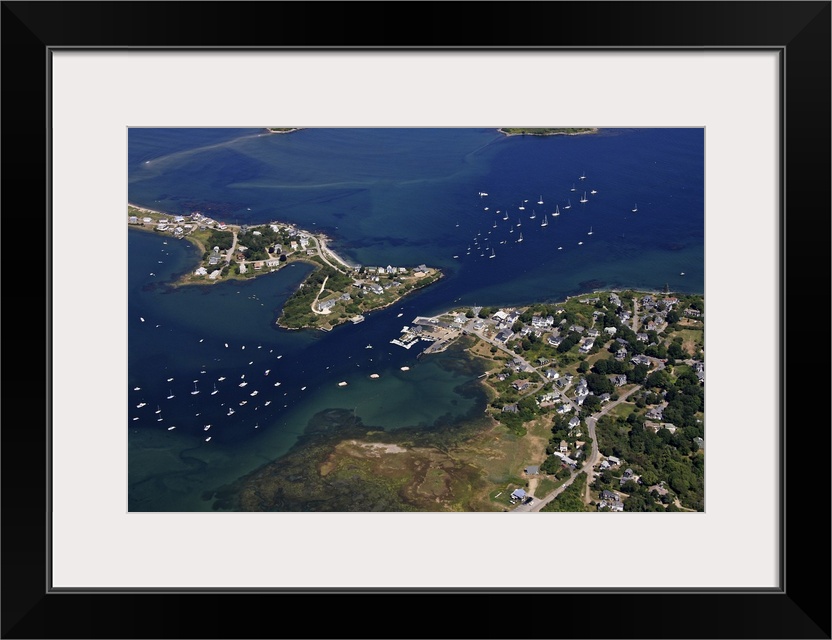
799	31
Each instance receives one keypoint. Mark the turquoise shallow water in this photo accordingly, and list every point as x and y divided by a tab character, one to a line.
388	196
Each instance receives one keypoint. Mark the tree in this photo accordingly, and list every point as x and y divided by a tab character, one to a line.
517	327
469	313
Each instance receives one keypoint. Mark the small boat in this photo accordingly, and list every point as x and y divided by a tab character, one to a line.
230	411
201	339
540	201
170	379
267	372
158	409
456	256
268	402
374	376
277	384
140	405
226	345
589	233
520	239
635	208
560	248
242	402
206	427
142	319
221	378
137	388
482	194
492	252
243	347
136	418
342	383
254	393
580	243
170	394
405	368
584	199
251	363
369	346
195	391
573	187
159	419
257	425
545	222
522	208
568	204
518	223
683	273
593	192
215	391
243	384
279	357
533	216
505	217
303	388
171	428
208	439
583	176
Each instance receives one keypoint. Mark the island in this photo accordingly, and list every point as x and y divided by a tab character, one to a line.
563	131
334	293
283	129
595	403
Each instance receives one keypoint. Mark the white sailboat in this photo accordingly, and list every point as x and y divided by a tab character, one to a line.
158	409
593	192
540	200
505	217
170	394
520	239
589	233
533	216
557	211
545	222
635	207
568	204
583	175
195	391
521	207
215	391
492	253
584	198
573	187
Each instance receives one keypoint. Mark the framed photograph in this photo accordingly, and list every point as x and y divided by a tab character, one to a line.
243	122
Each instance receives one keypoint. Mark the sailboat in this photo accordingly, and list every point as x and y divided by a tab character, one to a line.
593	192
557	211
518	223
520	239
589	233
522	208
505	217
215	391
195	391
170	394
540	201
158	409
230	411
635	207
495	224
568	204
533	216
584	198
583	175
492	253
545	222
573	187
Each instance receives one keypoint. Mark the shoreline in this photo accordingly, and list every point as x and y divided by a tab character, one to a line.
551	133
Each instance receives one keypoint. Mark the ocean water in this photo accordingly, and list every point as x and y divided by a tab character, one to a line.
384	196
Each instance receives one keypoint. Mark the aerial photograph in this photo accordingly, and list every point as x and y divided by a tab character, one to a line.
416	319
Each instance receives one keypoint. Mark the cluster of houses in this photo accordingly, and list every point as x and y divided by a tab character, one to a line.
175	225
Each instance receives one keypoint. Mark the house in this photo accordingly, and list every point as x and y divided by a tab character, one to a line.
222	226
574	422
552	374
273	263
692	313
326	305
610	330
654	414
133	220
420	269
613	460
214	274
612	506
243	268
621	355
593	333
581	390
604	397
563	448
548	398
642	337
531	470
202	271
518	494
699	442
511	408
555	340
615	300
576	328
640	359
375	288
586	347
521	385
258	265
609	496
564	408
214	259
345	297
504	336
542	361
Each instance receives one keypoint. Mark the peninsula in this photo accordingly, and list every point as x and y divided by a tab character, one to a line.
591	404
335	292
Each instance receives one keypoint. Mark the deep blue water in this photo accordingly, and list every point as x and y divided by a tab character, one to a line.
385	196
